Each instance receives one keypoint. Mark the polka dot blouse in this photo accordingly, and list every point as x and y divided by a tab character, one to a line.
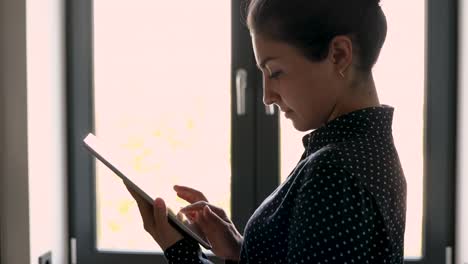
344	202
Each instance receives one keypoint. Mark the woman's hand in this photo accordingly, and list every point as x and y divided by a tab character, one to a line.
155	221
225	240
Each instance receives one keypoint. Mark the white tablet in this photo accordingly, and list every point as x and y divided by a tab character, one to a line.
103	153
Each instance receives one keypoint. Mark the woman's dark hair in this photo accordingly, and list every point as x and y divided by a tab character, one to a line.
310	25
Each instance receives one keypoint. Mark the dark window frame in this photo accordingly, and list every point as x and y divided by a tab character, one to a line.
256	171
81	121
440	133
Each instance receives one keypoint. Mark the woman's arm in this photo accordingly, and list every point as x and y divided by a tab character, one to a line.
211	220
188	251
185	251
177	249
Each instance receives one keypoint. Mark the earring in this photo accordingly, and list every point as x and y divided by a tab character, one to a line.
342	74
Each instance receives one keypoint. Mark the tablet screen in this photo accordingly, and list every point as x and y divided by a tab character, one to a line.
114	162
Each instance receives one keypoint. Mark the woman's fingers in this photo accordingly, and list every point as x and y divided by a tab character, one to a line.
189	194
154	216
145	208
163	231
160	213
194	207
199	206
209	221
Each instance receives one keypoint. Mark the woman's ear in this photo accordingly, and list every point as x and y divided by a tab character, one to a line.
341	53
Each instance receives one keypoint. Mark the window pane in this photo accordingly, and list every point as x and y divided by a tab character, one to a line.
399	78
162	94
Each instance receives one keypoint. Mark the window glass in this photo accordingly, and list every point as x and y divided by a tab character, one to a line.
162	95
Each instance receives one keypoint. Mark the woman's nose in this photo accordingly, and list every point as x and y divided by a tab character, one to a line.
269	96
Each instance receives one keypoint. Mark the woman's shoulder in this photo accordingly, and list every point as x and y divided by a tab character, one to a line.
327	160
376	170
330	155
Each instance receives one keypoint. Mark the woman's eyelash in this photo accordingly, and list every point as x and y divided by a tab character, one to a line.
275	75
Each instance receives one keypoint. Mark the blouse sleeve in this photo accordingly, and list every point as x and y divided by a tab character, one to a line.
185	251
332	219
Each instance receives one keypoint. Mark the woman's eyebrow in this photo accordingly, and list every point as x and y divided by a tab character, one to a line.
265	61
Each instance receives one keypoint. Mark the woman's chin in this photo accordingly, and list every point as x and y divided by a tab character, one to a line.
301	129
299	125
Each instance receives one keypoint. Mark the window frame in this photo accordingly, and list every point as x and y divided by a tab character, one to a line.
440	133
255	136
80	116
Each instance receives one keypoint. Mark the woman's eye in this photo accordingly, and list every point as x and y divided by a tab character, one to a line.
275	75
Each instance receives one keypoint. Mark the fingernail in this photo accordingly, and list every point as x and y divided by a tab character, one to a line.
190	217
158	202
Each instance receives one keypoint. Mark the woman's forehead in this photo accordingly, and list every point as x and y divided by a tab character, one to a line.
266	49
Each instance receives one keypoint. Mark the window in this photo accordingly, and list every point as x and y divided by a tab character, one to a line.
161	93
129	68
107	39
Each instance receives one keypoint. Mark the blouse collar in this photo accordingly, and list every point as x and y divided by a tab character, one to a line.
376	121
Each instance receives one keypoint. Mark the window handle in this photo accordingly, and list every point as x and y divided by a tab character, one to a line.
448	255
241	91
73	250
270	109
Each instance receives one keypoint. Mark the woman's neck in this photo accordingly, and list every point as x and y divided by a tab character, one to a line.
362	95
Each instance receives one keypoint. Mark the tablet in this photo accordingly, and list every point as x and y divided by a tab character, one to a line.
105	155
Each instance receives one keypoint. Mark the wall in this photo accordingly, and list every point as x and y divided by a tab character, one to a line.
32	131
14	163
462	185
46	128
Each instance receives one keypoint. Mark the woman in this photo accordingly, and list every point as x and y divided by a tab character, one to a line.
345	202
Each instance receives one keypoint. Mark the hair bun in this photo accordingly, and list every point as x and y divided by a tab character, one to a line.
372	2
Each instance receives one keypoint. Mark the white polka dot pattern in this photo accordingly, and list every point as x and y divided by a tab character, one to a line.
345	202
185	251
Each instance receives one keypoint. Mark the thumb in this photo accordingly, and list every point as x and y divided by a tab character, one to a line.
159	213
